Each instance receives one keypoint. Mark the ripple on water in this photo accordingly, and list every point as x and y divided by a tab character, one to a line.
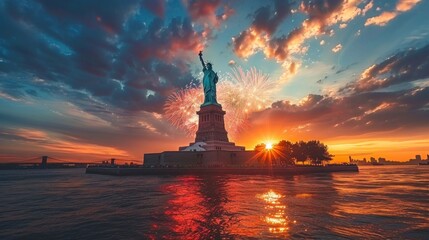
376	203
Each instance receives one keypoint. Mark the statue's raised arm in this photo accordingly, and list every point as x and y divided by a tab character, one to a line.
201	59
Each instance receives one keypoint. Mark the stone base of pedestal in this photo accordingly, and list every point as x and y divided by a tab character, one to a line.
211	125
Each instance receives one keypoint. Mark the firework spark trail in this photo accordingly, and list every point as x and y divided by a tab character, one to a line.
181	107
241	93
251	90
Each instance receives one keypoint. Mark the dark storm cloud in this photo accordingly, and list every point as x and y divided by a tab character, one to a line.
110	14
268	20
406	66
105	49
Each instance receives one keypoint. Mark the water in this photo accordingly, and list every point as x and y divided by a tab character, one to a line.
383	202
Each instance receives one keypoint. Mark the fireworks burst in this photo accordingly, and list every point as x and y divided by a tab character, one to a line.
241	93
181	107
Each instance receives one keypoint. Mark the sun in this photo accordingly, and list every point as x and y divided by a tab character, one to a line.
268	146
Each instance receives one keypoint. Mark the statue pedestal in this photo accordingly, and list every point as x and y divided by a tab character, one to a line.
211	125
211	130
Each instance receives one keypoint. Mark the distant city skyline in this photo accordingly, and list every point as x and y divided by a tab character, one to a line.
381	160
84	80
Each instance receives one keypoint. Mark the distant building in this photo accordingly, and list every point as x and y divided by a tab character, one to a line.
417	160
357	161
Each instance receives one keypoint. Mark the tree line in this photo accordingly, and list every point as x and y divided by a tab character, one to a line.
290	153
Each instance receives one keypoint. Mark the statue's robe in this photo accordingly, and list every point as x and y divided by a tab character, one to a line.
209	83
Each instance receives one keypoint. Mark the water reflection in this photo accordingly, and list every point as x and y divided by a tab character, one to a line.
197	209
185	208
389	196
275	212
246	207
376	203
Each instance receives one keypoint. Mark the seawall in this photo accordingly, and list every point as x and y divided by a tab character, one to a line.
293	170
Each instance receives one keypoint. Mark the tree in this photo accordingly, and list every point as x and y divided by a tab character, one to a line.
285	148
318	152
299	151
289	153
260	147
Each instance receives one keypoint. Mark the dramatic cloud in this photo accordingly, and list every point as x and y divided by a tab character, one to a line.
95	76
89	72
78	44
265	23
53	142
87	130
321	15
386	17
328	117
91	13
403	67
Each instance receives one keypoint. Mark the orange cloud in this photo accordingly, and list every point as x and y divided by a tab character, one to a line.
31	134
386	17
337	48
249	42
344	122
84	148
320	16
367	7
406	5
37	142
382	19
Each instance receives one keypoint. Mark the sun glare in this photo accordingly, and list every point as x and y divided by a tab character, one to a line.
269	146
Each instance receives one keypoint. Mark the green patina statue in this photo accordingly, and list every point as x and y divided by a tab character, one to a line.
209	83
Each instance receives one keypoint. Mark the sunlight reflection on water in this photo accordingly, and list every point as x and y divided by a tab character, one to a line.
275	217
376	203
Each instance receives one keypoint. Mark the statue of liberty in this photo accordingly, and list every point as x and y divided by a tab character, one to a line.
209	83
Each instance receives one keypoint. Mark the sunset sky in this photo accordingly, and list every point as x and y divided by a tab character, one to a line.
88	80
